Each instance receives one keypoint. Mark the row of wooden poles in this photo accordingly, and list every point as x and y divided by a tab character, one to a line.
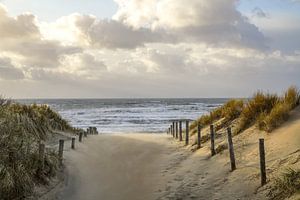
89	131
175	130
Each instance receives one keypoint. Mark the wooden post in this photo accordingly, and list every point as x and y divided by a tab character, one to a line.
80	136
199	136
262	162
173	128
96	131
176	129
187	132
180	130
212	140
85	134
61	151
41	158
73	143
231	152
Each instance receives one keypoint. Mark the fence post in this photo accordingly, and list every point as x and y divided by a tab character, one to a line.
73	143
173	128
176	129
180	130
187	132
199	136
212	140
41	157
231	151
80	136
61	151
262	162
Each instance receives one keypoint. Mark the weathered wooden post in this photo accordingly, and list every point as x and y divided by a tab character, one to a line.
180	130
85	133
41	157
262	162
173	128
80	136
176	129
73	143
61	151
231	151
212	140
198	136
187	131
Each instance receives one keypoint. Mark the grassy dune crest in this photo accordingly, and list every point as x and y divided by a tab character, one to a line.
22	128
267	111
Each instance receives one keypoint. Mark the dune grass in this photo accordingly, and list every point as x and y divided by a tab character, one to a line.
286	185
229	111
22	128
267	111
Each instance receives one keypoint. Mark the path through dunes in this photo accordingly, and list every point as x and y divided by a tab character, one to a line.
114	167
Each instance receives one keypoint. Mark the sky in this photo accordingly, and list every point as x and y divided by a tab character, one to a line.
148	48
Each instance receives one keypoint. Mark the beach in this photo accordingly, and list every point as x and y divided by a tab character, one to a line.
155	166
126	166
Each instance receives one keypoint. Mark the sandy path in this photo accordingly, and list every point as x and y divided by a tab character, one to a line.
117	167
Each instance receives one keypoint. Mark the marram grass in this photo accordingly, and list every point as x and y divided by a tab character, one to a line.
267	111
22	127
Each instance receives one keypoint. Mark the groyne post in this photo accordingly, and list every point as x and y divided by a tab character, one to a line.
61	151
187	132
41	157
212	140
85	133
80	136
73	143
198	136
262	162
231	151
180	130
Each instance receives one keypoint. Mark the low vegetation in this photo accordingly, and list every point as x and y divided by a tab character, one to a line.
22	128
266	110
286	185
229	111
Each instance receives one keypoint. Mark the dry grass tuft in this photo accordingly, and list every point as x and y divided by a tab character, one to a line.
286	185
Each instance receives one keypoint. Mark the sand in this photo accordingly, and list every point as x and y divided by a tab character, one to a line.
156	167
117	167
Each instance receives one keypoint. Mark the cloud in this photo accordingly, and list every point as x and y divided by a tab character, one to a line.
114	34
213	22
8	71
21	36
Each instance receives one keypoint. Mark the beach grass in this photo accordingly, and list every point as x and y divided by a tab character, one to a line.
287	184
22	128
266	110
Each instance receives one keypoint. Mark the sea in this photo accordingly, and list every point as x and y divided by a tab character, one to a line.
128	115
